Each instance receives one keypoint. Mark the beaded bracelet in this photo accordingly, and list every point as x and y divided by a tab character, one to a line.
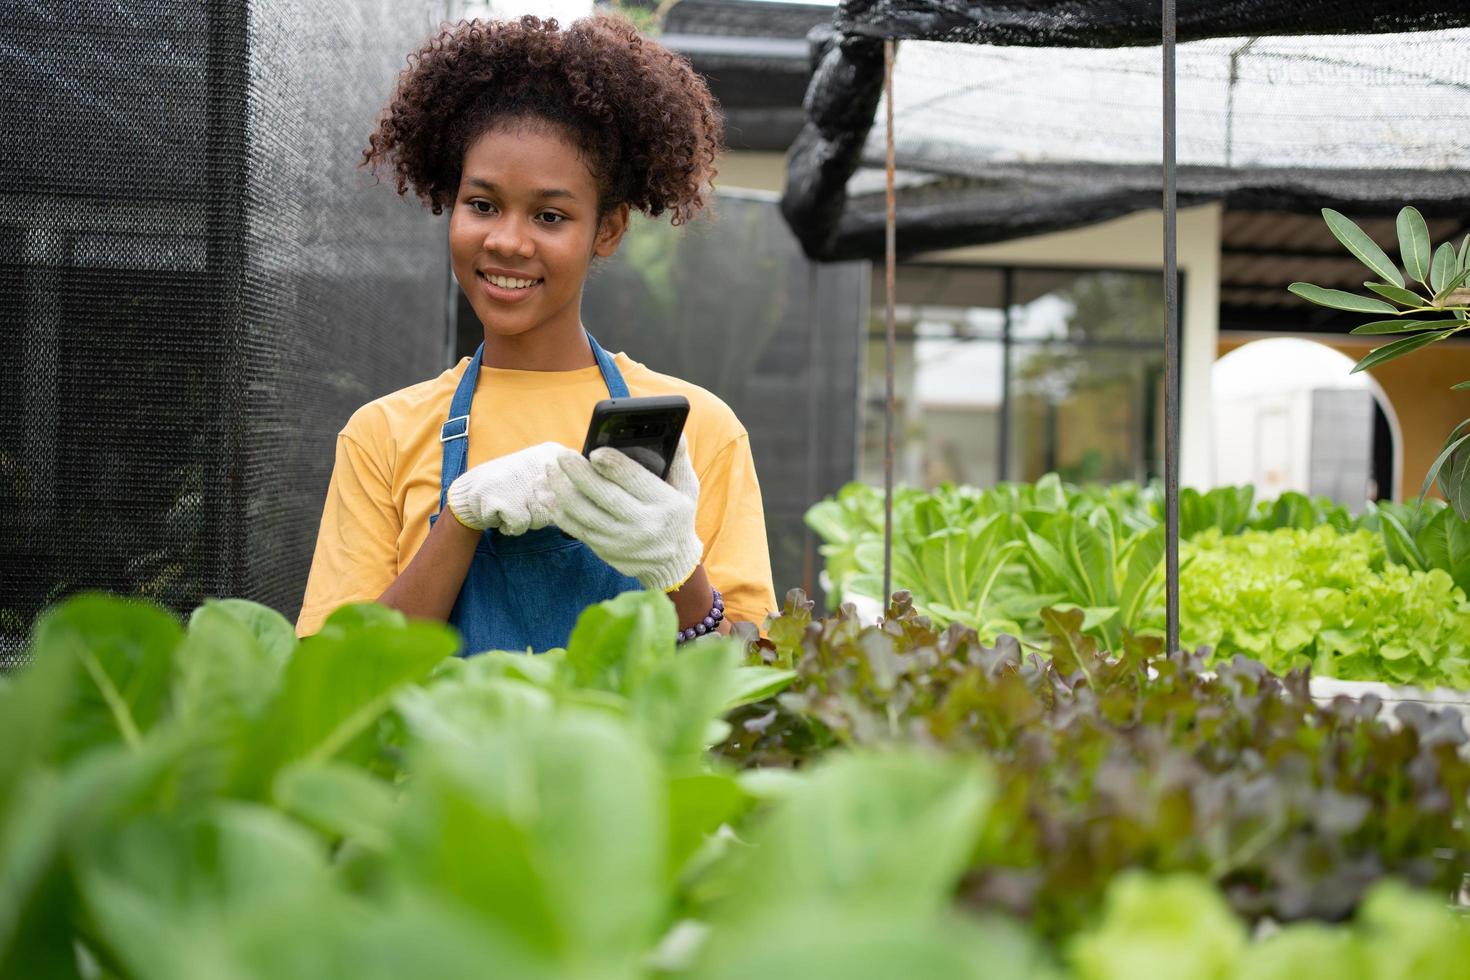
708	623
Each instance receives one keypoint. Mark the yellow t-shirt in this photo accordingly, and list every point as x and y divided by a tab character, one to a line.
385	482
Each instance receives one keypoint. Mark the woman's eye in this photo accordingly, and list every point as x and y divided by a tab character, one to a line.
482	207
552	218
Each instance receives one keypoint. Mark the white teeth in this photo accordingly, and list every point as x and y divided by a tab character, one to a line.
505	282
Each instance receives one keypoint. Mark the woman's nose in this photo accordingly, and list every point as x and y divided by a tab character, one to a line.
510	236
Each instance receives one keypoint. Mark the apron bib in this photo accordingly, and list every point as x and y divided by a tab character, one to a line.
523	592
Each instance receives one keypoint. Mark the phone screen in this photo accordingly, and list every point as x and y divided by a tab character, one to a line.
646	429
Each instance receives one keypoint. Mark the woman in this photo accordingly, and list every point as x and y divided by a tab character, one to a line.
540	142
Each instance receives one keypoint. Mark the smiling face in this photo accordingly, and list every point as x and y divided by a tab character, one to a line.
524	229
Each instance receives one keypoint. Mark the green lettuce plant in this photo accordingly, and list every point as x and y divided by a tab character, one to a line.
1293	598
221	799
1178	926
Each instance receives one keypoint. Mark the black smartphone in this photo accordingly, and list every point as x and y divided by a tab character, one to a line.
646	429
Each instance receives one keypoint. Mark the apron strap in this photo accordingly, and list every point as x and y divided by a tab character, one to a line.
454	434
611	376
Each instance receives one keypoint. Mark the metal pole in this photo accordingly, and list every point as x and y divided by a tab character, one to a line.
1171	347
1007	298
890	238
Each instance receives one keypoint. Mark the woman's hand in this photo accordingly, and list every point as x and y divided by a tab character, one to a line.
637	523
507	493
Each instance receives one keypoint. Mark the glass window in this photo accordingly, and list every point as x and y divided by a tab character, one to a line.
948	377
1085	412
1087	305
1014	373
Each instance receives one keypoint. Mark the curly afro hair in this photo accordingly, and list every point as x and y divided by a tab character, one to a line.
645	123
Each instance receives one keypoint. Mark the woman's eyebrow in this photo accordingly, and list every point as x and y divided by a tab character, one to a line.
545	192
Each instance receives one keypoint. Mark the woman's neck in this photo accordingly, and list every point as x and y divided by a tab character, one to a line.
545	348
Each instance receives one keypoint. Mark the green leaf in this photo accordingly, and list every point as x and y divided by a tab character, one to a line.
1445	544
1143	576
338	684
1092	616
126	652
1461	386
1414	242
35	893
1050	494
1053	573
819	942
47	819
1454	483
1088	553
1410	933
33	710
1358	242
1444	267
274	633
1399	544
617	642
1401	326
1404	297
227	670
1174	925
1455	283
1397	349
234	891
699	804
844	839
1338	299
1452	442
1463	262
554	832
752	684
339	800
676	702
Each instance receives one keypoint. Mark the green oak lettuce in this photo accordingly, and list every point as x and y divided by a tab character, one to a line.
1294	598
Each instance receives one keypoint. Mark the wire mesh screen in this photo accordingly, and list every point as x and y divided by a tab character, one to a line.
731	305
1380	101
995	141
198	288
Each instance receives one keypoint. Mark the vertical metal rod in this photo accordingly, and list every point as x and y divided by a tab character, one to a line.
1007	298
1171	346
890	239
816	458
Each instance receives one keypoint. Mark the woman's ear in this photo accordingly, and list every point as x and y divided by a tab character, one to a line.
610	231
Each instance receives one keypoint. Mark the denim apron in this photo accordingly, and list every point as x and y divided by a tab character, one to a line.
523	592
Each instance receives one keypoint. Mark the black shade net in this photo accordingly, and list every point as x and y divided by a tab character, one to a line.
1116	23
199	286
1049	117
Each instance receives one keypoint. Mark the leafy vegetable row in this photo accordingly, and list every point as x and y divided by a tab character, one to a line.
222	800
1392	610
1134	761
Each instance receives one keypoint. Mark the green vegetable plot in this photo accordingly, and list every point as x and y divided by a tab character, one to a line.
220	800
1290	582
1291	598
1135	761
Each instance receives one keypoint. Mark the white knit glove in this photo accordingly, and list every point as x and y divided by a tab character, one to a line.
502	493
631	519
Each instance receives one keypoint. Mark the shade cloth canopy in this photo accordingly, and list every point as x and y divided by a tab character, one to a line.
1048	117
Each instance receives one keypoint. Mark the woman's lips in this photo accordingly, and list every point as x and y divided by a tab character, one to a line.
507	293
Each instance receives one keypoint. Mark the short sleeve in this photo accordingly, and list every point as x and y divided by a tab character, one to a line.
356	555
732	525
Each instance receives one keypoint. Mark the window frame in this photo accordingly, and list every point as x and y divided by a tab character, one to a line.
1007	342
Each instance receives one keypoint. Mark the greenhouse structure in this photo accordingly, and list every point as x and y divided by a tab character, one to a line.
1099	363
